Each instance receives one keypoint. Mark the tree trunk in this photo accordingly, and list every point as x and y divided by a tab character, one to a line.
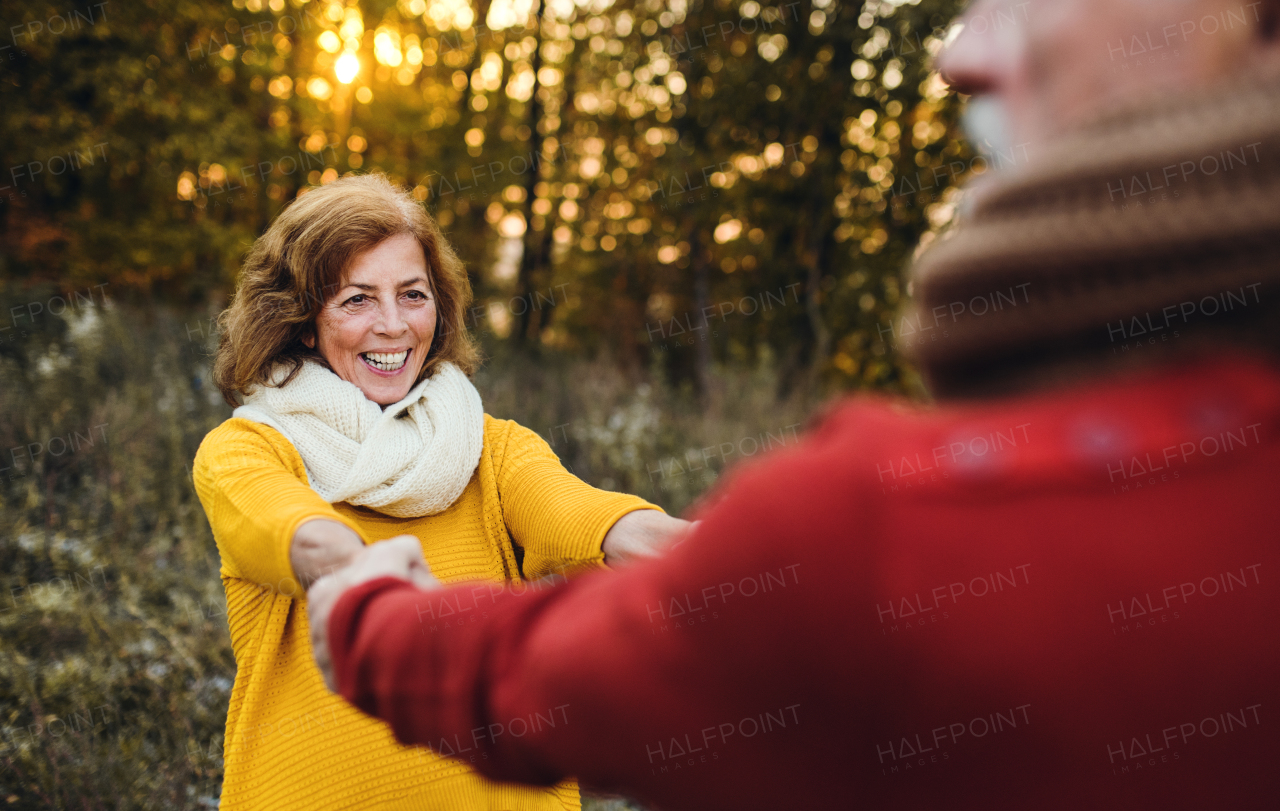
468	93
693	69
814	252
528	322
701	302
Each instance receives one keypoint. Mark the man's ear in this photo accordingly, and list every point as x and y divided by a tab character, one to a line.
1269	19
1265	44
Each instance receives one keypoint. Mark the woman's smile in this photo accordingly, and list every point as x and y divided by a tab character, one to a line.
388	363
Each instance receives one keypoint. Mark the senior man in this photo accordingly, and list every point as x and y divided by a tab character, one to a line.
1057	589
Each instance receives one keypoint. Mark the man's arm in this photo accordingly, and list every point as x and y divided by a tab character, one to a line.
596	677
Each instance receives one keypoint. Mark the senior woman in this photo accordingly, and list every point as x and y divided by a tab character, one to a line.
346	354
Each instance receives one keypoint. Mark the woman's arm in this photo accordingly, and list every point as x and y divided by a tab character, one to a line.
560	521
270	527
320	547
641	535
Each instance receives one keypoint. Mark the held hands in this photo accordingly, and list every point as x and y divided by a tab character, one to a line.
400	557
637	535
642	534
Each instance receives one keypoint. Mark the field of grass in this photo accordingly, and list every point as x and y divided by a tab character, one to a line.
117	663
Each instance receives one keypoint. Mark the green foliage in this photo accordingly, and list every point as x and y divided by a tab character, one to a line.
649	160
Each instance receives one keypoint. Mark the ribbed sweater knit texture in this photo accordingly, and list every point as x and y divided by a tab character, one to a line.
290	743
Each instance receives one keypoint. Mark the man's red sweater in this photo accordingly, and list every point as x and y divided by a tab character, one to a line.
1064	601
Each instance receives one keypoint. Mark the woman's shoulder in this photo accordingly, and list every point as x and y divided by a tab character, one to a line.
507	439
238	429
237	437
509	431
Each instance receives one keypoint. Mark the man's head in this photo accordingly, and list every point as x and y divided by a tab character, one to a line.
1038	67
1153	127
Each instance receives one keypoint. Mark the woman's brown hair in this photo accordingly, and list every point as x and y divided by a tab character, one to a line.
293	269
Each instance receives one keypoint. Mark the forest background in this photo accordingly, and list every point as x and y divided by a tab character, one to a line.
686	223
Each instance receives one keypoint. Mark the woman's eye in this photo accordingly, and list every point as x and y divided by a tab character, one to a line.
417	295
356	299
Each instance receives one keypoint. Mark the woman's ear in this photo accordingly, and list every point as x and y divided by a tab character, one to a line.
309	338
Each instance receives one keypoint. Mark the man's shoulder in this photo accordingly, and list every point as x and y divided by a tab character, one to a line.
876	446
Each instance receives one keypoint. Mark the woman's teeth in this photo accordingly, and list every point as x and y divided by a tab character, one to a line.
385	362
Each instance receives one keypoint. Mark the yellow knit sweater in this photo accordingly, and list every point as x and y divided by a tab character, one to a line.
290	743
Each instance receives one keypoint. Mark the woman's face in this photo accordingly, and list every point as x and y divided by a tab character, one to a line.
376	331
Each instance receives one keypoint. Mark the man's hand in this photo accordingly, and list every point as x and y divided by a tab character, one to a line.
642	534
400	557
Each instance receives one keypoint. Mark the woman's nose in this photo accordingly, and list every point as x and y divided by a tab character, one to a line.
391	321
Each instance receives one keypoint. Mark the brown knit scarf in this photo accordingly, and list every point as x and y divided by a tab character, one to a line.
1138	234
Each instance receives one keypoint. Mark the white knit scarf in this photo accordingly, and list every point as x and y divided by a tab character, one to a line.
412	459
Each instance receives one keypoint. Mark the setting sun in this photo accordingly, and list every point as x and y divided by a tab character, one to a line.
347	67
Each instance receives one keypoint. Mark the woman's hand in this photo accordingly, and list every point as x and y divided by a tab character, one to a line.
400	557
642	534
321	547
